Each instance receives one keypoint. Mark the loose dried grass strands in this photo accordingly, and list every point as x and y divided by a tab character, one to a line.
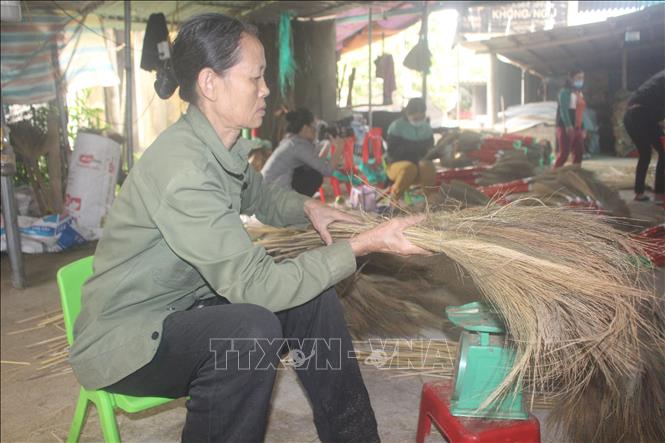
573	181
376	306
577	301
416	358
50	355
408	356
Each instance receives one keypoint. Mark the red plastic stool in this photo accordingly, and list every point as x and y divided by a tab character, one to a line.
435	407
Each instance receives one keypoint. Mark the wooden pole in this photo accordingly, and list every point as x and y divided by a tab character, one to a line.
9	210
491	91
369	66
459	93
425	38
129	88
57	157
624	69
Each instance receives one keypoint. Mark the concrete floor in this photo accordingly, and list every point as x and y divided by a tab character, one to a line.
40	409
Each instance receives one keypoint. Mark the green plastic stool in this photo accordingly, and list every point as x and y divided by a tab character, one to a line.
70	280
483	362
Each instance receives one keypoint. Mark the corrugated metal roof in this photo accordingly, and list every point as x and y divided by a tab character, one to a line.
177	11
585	6
592	46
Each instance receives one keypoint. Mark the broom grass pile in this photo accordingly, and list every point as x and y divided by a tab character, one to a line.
570	183
577	299
512	165
560	187
375	305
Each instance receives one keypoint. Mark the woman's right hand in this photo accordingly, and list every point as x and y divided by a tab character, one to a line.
388	238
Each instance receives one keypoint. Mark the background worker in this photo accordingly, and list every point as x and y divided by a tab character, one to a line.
643	121
296	163
409	139
569	119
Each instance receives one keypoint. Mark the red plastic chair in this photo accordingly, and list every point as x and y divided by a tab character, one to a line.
348	167
375	138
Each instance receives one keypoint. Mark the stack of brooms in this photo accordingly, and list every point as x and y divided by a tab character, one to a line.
578	300
566	186
511	166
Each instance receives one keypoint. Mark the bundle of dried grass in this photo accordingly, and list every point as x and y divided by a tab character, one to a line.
375	306
457	194
572	182
577	302
573	185
511	166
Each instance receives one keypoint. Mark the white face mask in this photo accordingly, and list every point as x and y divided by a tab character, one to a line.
418	123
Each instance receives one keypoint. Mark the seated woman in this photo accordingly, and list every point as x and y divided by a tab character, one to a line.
296	163
409	139
182	303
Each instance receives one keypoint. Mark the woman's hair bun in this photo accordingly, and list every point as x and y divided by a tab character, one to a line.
166	83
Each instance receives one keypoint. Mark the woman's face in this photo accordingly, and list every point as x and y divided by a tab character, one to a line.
242	89
416	118
578	80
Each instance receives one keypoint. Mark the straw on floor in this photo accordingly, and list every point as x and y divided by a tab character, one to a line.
578	302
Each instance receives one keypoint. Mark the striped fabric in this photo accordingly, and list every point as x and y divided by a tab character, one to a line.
27	70
86	60
27	75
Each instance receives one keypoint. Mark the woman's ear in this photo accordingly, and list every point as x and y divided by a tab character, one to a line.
207	84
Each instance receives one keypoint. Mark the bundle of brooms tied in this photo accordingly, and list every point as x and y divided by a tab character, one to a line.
578	301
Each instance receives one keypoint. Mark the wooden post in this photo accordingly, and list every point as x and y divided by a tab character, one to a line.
129	88
459	93
59	155
491	91
369	66
9	210
425	37
624	69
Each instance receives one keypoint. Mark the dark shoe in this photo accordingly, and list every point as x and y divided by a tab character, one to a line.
642	198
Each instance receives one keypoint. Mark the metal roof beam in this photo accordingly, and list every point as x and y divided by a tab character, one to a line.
520	65
391	13
557	41
542	60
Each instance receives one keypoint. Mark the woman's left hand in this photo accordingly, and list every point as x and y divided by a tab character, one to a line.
321	216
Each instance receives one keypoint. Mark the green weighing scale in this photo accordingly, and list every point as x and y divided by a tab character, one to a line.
483	362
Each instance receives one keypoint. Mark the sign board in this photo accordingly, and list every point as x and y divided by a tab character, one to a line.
515	18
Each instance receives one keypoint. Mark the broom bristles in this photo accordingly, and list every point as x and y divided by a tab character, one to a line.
575	296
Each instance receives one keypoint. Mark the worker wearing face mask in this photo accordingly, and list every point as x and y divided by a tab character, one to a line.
409	139
570	133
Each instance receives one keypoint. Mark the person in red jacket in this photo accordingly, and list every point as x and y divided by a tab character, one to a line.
569	131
